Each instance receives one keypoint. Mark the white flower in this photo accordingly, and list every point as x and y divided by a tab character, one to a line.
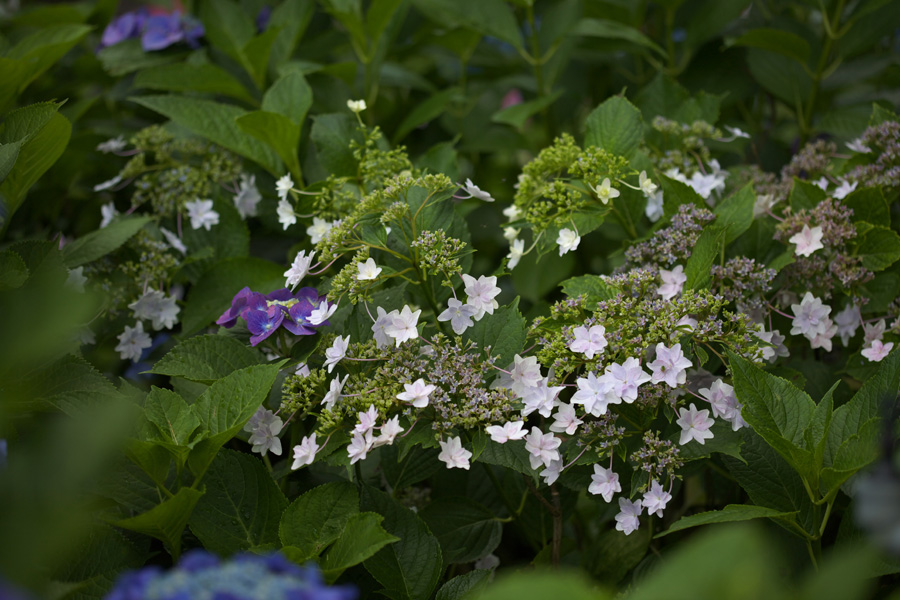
605	483
848	321
623	380
551	473
856	145
247	197
724	403
402	325
845	188
736	133
416	393
694	425
337	352
605	192
379	327
321	313
823	183
525	373
646	184
655	499
132	342
367	420
202	214
705	185
592	393
672	282
542	447
264	428
480	294
540	398
116	144
283	186
286	214
687	323
389	431
876	351
318	230
670	365
359	446
654	209
356	106
156	306
302	370
516	252
568	240
589	342
111	183
565	420
774	337
299	268
334	392
76	280
807	240
627	520
763	205
512	212
305	452
510	234
823	339
810	317
85	337
873	331
511	430
476	192
459	314
108	212
174	241
368	270
454	455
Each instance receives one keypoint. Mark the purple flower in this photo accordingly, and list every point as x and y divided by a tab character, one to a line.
124	27
161	31
262	322
242	301
265	313
308	300
262	19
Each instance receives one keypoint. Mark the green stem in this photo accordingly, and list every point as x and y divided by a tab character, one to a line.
831	35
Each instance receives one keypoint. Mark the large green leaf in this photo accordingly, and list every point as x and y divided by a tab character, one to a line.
735	213
879	248
489	17
101	242
185	77
729	514
70	385
615	126
869	205
206	358
511	455
504	332
462	585
166	521
426	111
171	415
781	42
703	255
331	135
466	529
408	569
362	537
290	97
241	507
606	29
276	131
317	518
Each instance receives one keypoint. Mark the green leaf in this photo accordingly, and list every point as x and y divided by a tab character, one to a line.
703	255
782	76
724	441
317	518
226	406
775	40
869	205
128	56
217	123
379	16
8	155
362	537
612	30
805	195
255	54
426	111
466	529
290	97
463	585
879	248
517	115
735	213
185	77
615	126
593	287
511	455
166	521
489	17
13	271
613	554
70	385
294	17
276	131
504	332
212	294
729	514
227	26
417	465
570	585
331	135
676	193
23	123
408	569
172	416
241	507
101	242
206	358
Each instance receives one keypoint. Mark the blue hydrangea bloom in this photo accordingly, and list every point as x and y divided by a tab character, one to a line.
264	314
200	575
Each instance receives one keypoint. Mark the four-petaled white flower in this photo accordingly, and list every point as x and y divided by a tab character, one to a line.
202	214
480	294
670	365
264	428
416	393
844	189
654	209
592	393
299	268
705	185
565	420
337	352
655	499
511	430
356	106
162	310
542	447
567	241
672	282
810	317
541	398
305	452
623	380
108	212
524	373
694	424
379	327
454	455
286	214
247	197
847	322
516	252
402	325
366	420
589	342
283	186
132	342
359	446
368	270
648	188
334	392
724	403
389	431
476	192
319	229
459	314
174	241
605	192
321	313
808	240
551	473
627	520
604	482
876	351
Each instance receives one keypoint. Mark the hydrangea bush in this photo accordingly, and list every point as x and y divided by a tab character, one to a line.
290	304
